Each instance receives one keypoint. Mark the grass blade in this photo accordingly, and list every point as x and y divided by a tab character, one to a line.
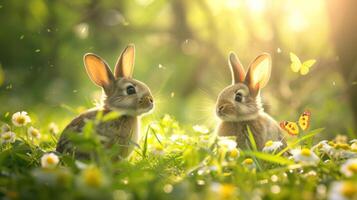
251	139
145	142
269	157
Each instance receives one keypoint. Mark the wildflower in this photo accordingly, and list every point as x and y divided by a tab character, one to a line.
354	145
341	139
345	154
343	191
223	191
305	156
343	146
249	163
8	137
233	154
200	129
204	140
5	128
53	128
349	168
49	160
20	118
158	149
227	143
271	146
179	138
33	132
92	177
324	147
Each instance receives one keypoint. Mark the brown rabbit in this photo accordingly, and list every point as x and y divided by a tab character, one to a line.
239	105
123	94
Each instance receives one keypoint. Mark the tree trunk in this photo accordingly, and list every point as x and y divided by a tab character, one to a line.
343	19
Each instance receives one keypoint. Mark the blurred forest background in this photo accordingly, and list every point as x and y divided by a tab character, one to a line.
181	53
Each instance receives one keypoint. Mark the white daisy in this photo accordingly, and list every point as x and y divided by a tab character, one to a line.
324	147
178	138
49	160
353	141
346	154
158	150
8	137
53	128
343	190
227	143
93	177
5	128
33	133
305	156
354	145
349	168
200	129
20	118
233	154
249	163
272	146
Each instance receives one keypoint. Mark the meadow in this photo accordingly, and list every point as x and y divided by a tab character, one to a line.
174	161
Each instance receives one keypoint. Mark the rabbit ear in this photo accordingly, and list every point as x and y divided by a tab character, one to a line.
98	71
125	63
259	72
237	70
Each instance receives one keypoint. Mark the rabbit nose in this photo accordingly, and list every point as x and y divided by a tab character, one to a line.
147	99
150	99
221	108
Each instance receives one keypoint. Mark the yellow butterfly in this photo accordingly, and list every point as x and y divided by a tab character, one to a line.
297	66
292	127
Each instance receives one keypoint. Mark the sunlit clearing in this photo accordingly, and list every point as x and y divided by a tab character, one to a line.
232	4
144	2
297	21
256	5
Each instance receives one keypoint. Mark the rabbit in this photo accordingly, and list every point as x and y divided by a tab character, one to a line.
239	105
129	97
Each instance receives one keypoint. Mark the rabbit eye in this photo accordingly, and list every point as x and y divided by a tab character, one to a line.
130	90
238	97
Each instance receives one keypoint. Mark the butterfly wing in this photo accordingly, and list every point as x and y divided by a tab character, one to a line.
295	62
304	120
290	127
305	67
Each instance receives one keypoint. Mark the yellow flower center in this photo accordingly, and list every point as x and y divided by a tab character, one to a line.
354	147
248	161
34	133
234	153
20	119
353	168
306	152
227	191
269	143
6	136
159	148
93	177
331	143
349	189
50	160
342	146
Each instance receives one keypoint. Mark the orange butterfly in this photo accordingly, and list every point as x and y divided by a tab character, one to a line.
292	127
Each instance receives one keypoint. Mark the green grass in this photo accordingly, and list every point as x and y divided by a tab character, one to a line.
169	162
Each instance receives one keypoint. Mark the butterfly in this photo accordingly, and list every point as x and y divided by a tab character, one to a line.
297	66
293	127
